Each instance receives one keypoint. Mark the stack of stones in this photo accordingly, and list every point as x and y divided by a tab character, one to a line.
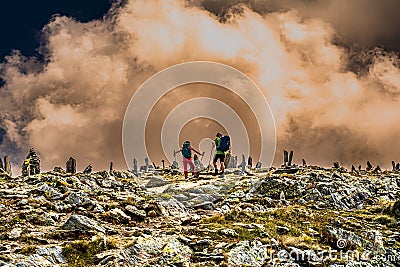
31	165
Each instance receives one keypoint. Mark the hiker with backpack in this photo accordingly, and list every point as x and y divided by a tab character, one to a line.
222	144
187	159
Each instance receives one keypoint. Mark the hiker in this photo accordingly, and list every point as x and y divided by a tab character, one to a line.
187	159
222	145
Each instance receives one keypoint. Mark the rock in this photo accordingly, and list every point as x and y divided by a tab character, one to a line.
290	158
80	222
229	232
336	165
15	233
345	237
207	257
200	245
177	254
37	261
78	198
395	209
168	251
7	165
31	165
135	213
40	219
156	182
273	187
205	206
152	213
282	230
112	258
71	165
88	169
59	170
248	253
369	166
285	158
52	254
119	215
173	208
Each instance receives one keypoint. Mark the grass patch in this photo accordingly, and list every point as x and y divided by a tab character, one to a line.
28	250
386	220
82	252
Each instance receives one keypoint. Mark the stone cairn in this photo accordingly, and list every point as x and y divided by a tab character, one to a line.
31	165
88	169
5	167
287	158
71	165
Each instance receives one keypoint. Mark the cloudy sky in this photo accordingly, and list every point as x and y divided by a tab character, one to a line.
329	70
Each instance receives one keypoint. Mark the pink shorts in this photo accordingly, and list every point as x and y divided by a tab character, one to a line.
186	162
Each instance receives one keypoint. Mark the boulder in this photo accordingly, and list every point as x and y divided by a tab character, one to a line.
80	222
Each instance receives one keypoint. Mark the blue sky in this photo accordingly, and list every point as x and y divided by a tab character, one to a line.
21	21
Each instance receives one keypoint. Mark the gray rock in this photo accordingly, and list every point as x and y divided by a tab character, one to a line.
173	208
248	253
195	190
229	232
40	219
159	251
71	165
156	182
78	198
181	197
201	199
52	254
135	212
7	165
205	206
80	222
37	260
395	209
119	215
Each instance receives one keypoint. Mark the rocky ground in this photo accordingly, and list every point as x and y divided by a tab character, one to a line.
314	217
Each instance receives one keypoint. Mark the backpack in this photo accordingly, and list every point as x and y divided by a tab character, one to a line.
225	143
186	153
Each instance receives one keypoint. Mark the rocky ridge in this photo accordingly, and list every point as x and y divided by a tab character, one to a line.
313	217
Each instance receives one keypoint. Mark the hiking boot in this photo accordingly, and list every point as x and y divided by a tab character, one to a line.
196	175
215	172
222	175
186	175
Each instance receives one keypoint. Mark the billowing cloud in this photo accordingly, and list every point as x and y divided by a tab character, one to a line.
366	23
73	102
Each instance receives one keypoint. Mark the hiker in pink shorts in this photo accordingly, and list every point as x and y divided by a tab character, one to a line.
187	159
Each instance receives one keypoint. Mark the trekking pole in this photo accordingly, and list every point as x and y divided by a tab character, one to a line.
212	149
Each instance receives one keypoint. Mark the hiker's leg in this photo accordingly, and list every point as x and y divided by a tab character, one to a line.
215	164
222	160
185	162
192	167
